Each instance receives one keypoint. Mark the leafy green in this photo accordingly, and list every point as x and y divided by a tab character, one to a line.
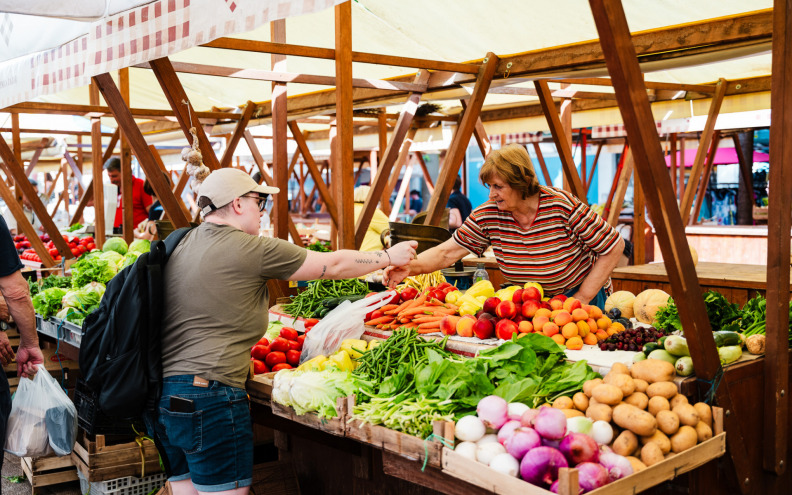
76	226
81	299
129	259
116	244
92	269
667	317
140	246
317	391
321	246
48	302
722	314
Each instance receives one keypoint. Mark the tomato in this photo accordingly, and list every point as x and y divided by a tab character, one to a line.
408	293
301	340
90	246
263	341
376	314
282	366
293	358
259	351
289	333
274	358
444	285
437	294
53	252
310	322
259	367
294	345
279	344
75	252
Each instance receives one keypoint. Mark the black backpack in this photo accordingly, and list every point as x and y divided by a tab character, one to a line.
121	352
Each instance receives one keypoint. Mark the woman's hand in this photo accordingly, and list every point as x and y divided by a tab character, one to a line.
392	276
402	253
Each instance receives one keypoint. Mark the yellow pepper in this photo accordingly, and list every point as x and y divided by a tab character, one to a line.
314	364
469	308
354	347
341	360
453	297
482	288
372	344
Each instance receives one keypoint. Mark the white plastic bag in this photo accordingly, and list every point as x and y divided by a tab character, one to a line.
43	419
344	322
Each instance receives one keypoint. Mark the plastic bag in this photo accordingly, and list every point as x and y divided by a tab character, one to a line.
43	419
344	322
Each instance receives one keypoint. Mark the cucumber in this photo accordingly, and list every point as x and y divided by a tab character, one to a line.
662	355
723	338
729	354
676	346
662	340
323	312
332	302
651	346
684	366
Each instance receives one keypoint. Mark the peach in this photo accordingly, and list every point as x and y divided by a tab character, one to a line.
560	340
550	329
505	329
594	312
603	323
572	304
539	322
531	293
525	326
464	327
506	309
618	326
586	307
601	335
611	331
590	339
562	318
556	303
517	296
544	312
448	324
583	328
575	343
560	297
490	304
483	328
569	330
579	315
530	308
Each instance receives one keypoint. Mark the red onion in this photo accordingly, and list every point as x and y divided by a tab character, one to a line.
554	486
527	418
521	441
507	430
550	423
493	411
617	466
551	443
578	448
515	410
591	476
540	465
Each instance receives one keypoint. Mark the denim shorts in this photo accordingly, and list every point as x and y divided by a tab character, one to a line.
212	446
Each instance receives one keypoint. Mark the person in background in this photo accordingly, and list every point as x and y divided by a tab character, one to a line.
215	308
379	221
16	294
537	233
416	202
147	229
27	208
459	206
141	202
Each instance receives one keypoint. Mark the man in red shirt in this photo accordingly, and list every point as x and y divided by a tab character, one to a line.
141	202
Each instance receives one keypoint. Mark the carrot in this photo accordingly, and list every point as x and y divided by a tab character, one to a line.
442	311
427	330
428	319
381	319
417	311
405	305
410	325
431	324
388	307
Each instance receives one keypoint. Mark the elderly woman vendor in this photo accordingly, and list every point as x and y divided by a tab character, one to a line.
538	234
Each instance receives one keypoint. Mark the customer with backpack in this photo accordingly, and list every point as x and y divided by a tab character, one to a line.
15	291
215	308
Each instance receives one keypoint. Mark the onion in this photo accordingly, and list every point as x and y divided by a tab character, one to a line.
578	448
554	486
617	466
602	432
579	424
551	443
487	451
467	449
506	464
506	431
470	429
550	423
488	438
521	441
515	410
540	465
528	417
591	476
493	411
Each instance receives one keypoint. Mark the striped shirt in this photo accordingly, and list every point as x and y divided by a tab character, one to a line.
557	250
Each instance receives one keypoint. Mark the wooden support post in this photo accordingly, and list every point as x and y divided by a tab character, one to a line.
37	154
127	181
680	188
615	207
482	139
16	144
155	154
239	131
404	192
257	158
639	222
382	135
705	178
583	163
456	152
316	174
561	140
97	166
344	151
425	171
182	108
542	165
126	122
746	167
565	115
388	158
65	192
280	155
701	153
776	368
628	84
594	166
73	166
401	161
372	165
673	168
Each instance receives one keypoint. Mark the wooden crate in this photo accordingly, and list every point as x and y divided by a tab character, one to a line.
98	461
50	470
334	426
275	478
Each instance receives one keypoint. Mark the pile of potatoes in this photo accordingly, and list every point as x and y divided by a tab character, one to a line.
651	419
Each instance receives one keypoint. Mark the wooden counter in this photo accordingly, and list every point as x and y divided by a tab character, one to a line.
736	282
725	243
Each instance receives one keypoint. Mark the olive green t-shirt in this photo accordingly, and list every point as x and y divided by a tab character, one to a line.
216	300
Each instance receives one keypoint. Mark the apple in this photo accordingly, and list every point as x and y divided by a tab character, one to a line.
506	309
505	329
448	324
464	327
529	308
490	304
517	296
483	328
531	293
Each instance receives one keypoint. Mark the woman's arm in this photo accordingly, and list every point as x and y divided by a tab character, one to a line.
438	257
599	273
347	263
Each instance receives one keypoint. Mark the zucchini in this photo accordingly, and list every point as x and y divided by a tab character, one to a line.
332	302
684	366
662	355
323	312
723	338
729	354
651	346
662	340
676	346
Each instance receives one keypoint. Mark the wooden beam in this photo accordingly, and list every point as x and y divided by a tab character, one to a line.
280	155
103	111
73	165
456	152
257	158
401	161
97	166
404	192
776	368
239	131
181	106
23	224
561	141
637	115
425	171
542	165
158	160
681	175
621	190
605	81
705	178
704	145
344	151
673	169
594	166
482	139
126	122
329	54
746	168
127	180
35	158
16	144
639	222
559	93
382	135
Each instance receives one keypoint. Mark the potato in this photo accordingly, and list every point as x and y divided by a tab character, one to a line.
636	420
687	414
703	431
623	382
599	412
651	454
620	368
626	443
668	422
662	389
589	386
571	413
657	404
685	438
653	370
562	403
705	412
677	400
607	394
636	463
660	439
638	400
580	401
640	386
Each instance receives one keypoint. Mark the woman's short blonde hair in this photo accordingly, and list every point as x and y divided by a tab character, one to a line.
360	194
512	164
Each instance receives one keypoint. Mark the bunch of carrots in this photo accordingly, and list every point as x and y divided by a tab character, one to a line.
422	313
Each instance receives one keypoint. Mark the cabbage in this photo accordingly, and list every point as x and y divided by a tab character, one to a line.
81	299
116	244
140	246
48	302
308	391
129	259
113	257
95	287
93	269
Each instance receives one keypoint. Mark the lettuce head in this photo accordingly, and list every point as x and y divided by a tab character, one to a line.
88	270
116	244
140	246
